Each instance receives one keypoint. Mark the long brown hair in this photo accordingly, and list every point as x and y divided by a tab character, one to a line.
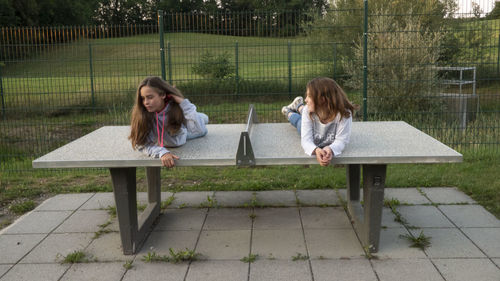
141	122
329	99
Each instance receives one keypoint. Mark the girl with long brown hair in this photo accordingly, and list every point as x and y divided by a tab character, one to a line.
324	123
161	118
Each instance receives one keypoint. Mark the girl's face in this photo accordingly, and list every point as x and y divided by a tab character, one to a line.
309	101
152	101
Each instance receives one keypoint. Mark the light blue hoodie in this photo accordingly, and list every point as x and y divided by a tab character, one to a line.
193	127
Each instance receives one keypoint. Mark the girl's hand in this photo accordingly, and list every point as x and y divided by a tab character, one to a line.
329	153
177	99
167	160
322	156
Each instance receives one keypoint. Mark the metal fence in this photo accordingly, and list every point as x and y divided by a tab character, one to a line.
438	73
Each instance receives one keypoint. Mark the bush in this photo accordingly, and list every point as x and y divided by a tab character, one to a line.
401	60
214	66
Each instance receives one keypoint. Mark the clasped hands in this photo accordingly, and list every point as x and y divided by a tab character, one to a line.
324	155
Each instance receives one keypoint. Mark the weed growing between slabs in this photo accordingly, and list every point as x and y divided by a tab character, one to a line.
175	257
76	257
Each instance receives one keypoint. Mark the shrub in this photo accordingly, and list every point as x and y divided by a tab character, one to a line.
401	59
214	66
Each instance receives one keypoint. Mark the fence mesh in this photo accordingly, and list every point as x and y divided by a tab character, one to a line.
437	71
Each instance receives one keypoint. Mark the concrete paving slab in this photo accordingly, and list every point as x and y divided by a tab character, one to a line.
190	199
283	244
39	272
276	198
100	201
328	217
487	239
497	261
224	245
14	247
468	269
342	193
388	219
159	271
405	195
449	243
277	218
342	270
64	202
108	247
333	243
84	221
424	216
182	219
277	270
234	198
218	270
229	219
393	246
56	246
161	241
327	197
4	268
406	269
109	271
447	195
37	222
470	216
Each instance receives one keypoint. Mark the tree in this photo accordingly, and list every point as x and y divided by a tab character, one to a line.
495	13
7	13
121	12
476	10
401	74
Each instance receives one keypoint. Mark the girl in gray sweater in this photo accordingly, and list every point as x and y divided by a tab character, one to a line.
324	123
161	118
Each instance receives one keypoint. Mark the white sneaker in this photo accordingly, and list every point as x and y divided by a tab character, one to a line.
285	110
296	103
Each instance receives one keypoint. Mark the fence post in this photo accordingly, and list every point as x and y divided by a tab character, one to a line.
289	70
91	69
236	68
365	60
1	93
162	45
162	50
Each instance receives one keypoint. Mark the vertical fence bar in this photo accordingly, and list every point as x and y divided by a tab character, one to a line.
334	60
289	70
498	56
236	67
91	76
365	60
169	61
162	49
1	93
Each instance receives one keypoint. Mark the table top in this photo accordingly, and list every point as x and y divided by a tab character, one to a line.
272	143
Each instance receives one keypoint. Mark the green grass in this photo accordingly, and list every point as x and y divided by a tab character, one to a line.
22	207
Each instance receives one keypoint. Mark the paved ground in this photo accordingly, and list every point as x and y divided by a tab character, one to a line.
290	227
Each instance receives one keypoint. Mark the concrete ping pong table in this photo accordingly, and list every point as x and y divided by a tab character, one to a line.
372	147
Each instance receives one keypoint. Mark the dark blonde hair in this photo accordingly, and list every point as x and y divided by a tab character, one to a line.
142	121
329	99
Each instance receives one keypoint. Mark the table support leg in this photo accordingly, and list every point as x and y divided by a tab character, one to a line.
133	230
124	189
152	211
368	218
